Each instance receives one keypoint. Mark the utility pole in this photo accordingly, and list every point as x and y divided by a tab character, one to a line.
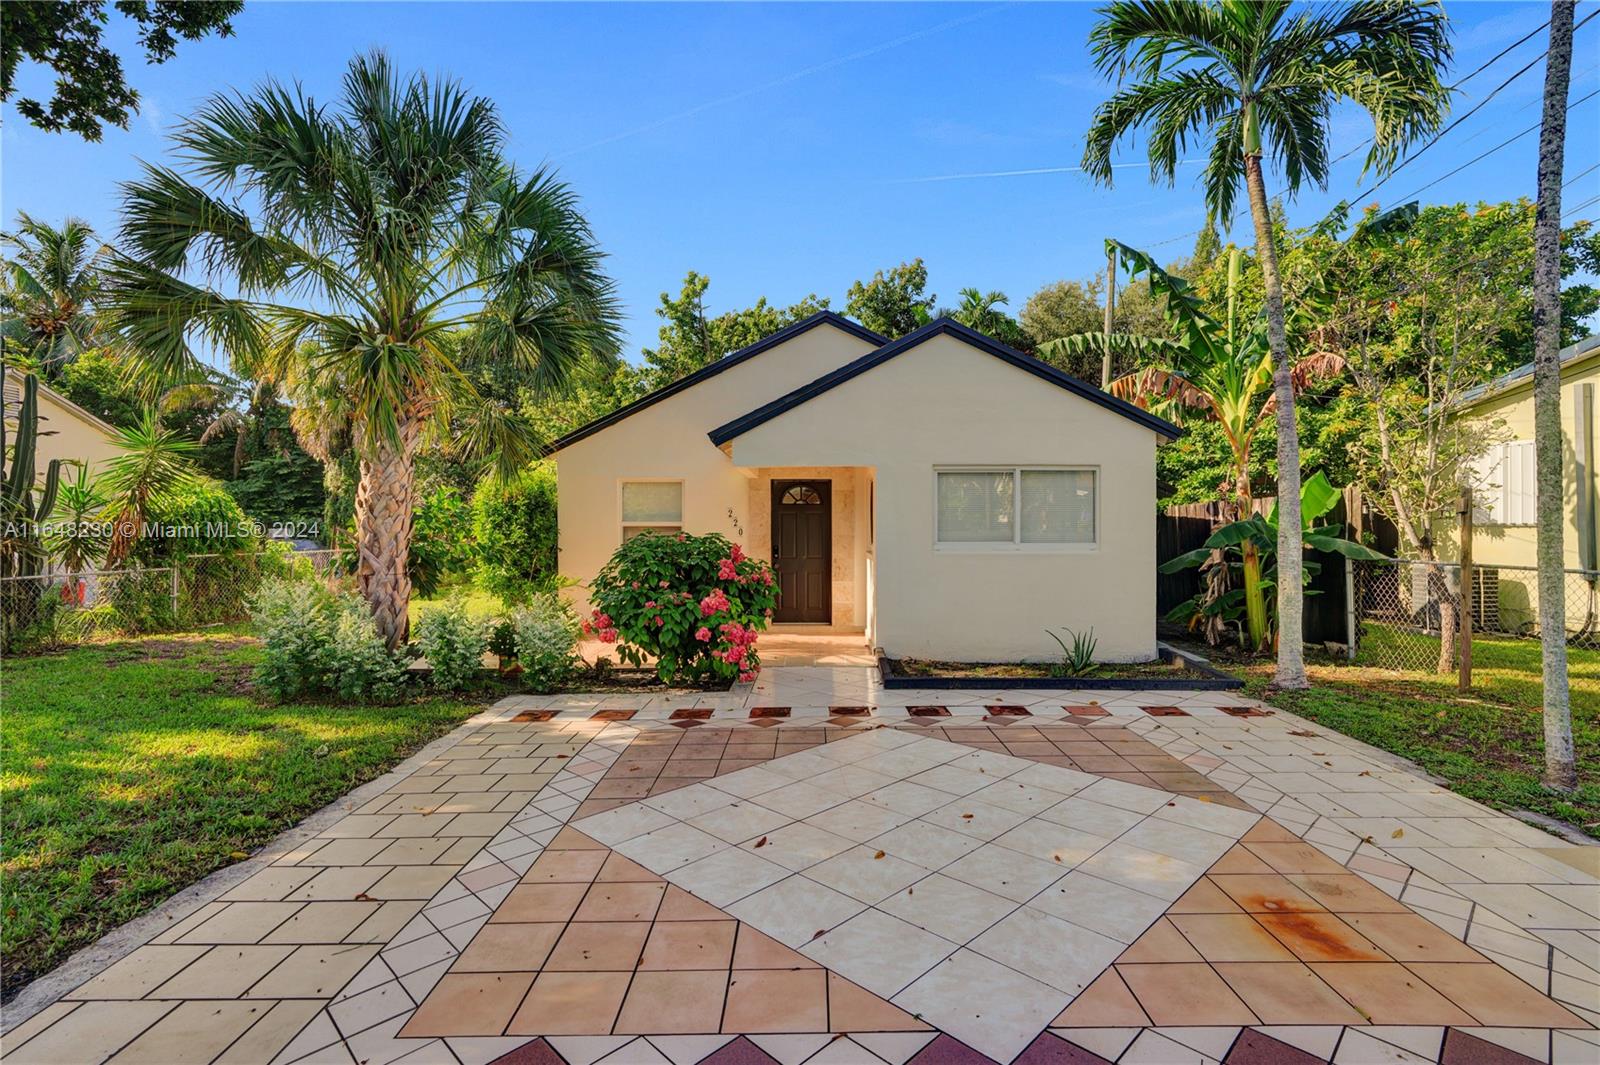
1111	311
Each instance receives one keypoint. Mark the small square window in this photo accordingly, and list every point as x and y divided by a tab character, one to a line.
651	506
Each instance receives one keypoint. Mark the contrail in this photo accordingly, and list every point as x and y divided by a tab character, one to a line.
1017	173
787	79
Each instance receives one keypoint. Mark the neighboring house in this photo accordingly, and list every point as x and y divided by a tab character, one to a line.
1504	540
941	495
66	430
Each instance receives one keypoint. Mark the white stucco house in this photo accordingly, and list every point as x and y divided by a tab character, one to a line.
940	495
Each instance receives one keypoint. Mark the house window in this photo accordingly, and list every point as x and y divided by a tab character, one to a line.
1505	490
651	506
1017	506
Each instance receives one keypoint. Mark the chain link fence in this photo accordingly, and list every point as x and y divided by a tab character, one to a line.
1405	614
61	609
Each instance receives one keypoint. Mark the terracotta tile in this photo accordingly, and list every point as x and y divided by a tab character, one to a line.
570	1004
1204	897
612	715
1230	937
689	715
673	1002
1164	711
1408	937
1320	937
757	950
1160	942
599	946
1263	893
1494	996
1389	993
1106	1003
540	903
570	838
1086	711
565	867
1259	1048
621	902
622	870
1286	993
1267	830
777	1000
1346	893
927	711
508	948
852	1008
1238	860
636	788
1296	858
469	1004
689	945
1191	994
678	905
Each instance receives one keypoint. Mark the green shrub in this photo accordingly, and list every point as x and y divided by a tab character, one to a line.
140	601
314	640
514	534
440	545
198	518
453	642
547	640
696	603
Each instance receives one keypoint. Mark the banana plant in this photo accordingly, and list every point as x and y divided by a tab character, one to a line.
22	547
1257	537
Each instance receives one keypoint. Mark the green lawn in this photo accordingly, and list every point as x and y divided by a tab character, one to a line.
130	770
1488	744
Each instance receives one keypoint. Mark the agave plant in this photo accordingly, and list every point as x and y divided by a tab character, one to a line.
1258	535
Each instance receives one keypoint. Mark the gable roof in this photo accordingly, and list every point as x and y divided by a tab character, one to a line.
941	327
728	361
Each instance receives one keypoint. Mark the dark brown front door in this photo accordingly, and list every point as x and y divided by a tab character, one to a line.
802	549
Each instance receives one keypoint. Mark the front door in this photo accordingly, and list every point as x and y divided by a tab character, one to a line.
802	549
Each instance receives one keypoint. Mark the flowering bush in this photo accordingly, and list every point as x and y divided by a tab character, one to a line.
696	603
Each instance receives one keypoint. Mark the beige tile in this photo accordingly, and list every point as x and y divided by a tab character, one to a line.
225	972
241	922
192	1034
323	922
314	971
90	1033
338	884
409	851
357	826
411	882
272	884
344	852
26	1030
389	918
282	1022
139	973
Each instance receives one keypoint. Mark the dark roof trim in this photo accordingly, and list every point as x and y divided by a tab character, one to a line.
728	361
946	326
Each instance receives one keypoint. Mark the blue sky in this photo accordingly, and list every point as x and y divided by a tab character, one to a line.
783	149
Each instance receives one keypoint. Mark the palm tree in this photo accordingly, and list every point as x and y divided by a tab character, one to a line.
234	405
1254	77
153	461
1560	768
78	538
981	311
392	249
50	282
1217	371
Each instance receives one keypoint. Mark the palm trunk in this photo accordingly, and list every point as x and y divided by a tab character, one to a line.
1560	771
385	500
1291	672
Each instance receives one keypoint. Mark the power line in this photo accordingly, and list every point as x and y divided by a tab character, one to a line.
1574	210
1582	173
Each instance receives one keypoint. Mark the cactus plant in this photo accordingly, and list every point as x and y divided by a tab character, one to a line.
22	548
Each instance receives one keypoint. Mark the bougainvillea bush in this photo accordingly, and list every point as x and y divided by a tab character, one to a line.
695	603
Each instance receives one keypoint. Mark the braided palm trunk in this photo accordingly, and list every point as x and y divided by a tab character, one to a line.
385	499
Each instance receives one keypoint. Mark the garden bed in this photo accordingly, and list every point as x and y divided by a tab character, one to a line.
1174	670
610	681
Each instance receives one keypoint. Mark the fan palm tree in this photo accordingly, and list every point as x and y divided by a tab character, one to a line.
1255	76
391	250
50	281
1217	371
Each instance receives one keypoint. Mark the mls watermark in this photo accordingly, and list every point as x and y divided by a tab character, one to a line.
208	531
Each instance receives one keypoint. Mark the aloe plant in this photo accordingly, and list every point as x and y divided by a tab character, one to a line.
22	547
1078	659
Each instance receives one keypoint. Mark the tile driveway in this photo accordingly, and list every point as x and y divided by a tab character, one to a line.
809	871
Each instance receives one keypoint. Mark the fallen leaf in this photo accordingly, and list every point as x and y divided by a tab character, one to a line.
1397	833
364	897
1302	732
819	933
966	817
762	842
238	855
875	857
563	756
1364	773
1057	858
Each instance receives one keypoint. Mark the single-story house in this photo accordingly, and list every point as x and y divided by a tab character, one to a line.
66	430
1504	536
940	495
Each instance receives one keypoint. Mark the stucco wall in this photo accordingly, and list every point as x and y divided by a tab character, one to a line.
946	403
65	431
849	496
668	441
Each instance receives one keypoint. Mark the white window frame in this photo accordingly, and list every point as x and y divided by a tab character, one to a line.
1015	546
624	526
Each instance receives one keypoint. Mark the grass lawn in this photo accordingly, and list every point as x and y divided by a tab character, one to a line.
130	770
1488	744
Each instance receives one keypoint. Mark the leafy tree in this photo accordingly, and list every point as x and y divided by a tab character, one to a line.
690	339
514	534
594	393
1066	308
51	279
981	311
154	461
440	545
65	35
893	302
1253	76
94	381
392	248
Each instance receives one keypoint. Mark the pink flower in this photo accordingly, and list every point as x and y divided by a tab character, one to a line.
727	571
650	604
659	622
602	620
663	584
636	584
713	603
703	634
748	675
585	628
738	553
608	636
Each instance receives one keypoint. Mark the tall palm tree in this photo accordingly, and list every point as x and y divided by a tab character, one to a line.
1215	371
50	282
1560	767
392	248
1255	77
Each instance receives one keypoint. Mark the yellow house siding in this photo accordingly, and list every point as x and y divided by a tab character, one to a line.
66	430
